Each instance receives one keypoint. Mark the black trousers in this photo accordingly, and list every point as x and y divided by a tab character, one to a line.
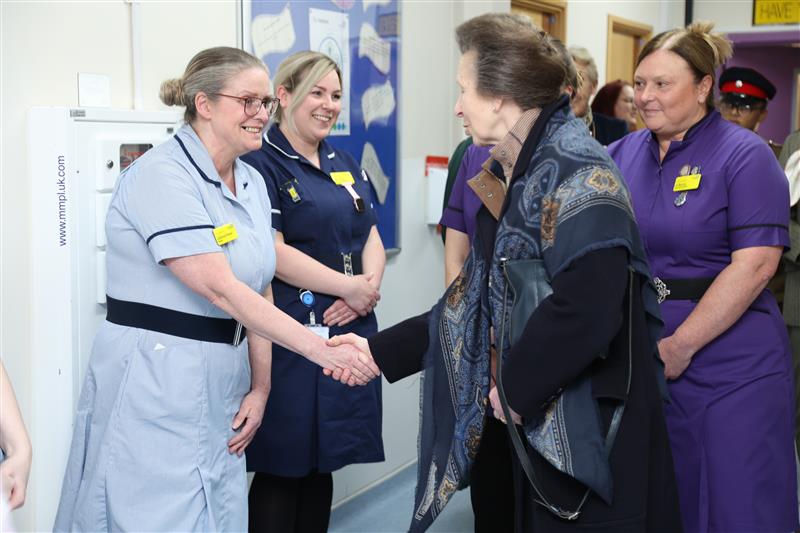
492	481
290	504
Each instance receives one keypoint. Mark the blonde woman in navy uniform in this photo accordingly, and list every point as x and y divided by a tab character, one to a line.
330	262
179	371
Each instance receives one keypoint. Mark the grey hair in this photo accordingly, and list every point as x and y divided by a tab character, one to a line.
298	74
582	57
514	59
207	72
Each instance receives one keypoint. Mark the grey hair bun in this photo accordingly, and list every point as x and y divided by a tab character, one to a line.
171	92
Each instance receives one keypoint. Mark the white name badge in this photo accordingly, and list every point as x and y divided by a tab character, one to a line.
319	331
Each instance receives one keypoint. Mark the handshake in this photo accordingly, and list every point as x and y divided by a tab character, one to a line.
347	358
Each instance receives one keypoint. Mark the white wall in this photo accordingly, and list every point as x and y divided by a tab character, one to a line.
733	16
587	22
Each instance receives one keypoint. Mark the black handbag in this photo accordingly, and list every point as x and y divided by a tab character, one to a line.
528	281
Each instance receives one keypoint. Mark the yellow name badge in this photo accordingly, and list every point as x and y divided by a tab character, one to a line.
225	234
342	178
687	183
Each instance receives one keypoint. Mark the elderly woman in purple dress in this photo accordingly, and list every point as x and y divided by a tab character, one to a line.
712	207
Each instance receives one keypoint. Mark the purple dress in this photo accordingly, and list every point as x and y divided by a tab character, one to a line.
462	209
731	415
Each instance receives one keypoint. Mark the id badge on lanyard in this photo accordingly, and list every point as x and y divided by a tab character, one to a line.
308	299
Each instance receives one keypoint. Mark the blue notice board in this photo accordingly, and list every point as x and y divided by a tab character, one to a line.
363	37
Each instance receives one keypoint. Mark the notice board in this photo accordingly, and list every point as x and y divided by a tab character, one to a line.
363	37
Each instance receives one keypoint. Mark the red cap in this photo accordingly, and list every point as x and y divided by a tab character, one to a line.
743	87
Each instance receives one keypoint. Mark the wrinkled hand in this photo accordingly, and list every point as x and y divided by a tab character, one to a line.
338	314
14	472
676	357
361	295
359	343
346	363
247	420
497	407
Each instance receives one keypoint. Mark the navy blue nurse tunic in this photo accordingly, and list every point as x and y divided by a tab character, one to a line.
312	422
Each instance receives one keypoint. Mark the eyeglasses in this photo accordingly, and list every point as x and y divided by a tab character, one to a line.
741	108
253	105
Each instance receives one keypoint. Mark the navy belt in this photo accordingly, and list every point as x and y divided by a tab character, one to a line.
177	323
349	264
682	289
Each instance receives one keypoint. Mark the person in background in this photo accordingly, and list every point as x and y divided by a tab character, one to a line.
15	453
604	128
713	208
330	262
743	96
552	197
180	369
789	159
453	165
615	100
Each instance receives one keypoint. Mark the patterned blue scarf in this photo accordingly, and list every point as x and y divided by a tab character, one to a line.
570	201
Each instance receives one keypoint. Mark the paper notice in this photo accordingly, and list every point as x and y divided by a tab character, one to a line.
372	165
368	3
377	103
328	32
272	33
376	49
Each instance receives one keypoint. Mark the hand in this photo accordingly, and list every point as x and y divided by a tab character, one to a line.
675	355
497	407
360	295
338	314
14	472
347	363
247	420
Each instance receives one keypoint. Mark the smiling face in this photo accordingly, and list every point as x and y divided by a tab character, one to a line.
314	117
232	127
667	95
475	110
625	108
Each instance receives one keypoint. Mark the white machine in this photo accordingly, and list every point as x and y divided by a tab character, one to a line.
75	157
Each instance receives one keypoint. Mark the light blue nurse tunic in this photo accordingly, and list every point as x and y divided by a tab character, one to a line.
149	449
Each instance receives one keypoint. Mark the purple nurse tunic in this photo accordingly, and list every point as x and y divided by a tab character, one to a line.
731	411
462	208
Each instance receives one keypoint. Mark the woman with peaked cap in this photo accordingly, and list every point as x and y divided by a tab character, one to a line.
180	370
553	204
713	208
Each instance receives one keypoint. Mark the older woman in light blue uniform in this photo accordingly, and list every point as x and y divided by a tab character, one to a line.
169	402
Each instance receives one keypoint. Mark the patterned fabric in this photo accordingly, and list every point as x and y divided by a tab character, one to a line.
571	200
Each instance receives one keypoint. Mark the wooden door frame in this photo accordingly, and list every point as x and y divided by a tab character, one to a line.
628	27
551	7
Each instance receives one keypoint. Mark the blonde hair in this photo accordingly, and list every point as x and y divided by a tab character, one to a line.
696	44
298	74
207	72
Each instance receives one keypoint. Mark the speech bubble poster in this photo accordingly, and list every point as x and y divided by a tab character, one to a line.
363	37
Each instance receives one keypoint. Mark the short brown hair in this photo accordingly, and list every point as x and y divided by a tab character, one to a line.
207	72
702	49
514	59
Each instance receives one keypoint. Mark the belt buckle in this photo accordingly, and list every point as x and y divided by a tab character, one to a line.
662	289
238	337
348	264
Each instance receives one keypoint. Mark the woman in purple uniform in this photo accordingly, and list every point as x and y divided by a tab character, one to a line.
712	206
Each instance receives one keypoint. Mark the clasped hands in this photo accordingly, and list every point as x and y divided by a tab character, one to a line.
359	298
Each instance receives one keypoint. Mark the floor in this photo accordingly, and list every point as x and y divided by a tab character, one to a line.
388	508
